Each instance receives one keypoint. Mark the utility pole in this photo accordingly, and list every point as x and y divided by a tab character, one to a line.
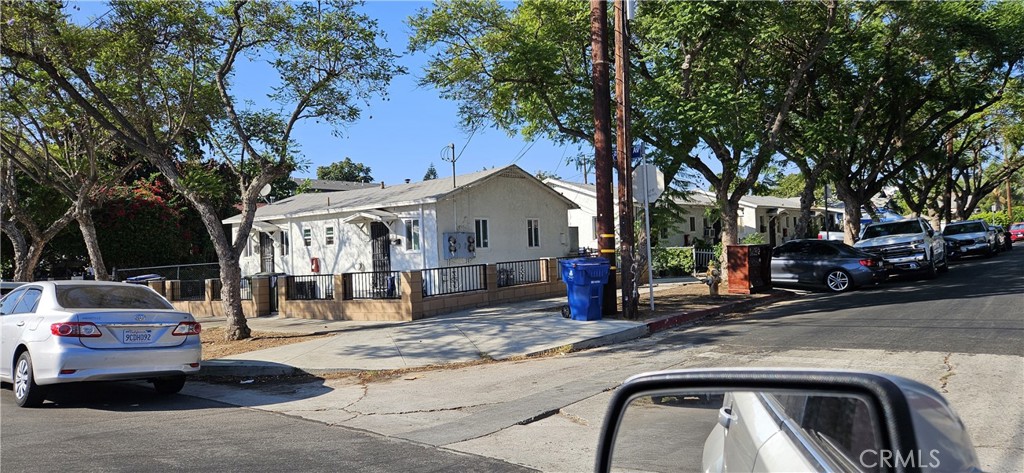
624	148
1009	196
603	147
452	159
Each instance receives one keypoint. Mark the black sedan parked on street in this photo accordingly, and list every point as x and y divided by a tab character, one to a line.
834	264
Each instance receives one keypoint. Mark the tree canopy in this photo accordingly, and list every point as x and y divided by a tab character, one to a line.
345	170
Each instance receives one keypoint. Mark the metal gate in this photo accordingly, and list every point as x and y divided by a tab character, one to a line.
266	253
379	234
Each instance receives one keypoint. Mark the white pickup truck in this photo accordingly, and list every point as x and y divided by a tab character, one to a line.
906	245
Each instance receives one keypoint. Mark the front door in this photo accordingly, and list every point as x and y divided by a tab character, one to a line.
381	239
266	253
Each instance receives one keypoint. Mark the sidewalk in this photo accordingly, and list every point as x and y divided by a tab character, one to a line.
495	332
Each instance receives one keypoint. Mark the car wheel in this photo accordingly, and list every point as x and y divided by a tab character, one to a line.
169	385
838	280
945	264
931	271
26	392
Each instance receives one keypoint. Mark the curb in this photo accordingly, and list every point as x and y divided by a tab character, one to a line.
245	368
671	321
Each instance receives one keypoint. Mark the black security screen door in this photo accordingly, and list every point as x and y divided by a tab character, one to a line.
381	247
266	253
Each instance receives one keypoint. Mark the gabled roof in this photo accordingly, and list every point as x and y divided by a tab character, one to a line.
356	200
590	190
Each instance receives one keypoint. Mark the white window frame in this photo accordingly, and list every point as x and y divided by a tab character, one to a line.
285	243
533	233
307	236
412	234
482	237
329	237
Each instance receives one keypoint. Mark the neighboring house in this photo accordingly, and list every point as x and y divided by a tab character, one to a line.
490	216
583	221
772	216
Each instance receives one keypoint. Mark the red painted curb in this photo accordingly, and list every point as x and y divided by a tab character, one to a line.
670	321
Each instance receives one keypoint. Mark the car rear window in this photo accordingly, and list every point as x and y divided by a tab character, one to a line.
894	228
1017	226
963	228
109	297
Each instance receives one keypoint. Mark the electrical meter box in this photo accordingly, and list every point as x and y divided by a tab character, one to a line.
459	245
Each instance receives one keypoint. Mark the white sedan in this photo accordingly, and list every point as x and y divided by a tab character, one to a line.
54	332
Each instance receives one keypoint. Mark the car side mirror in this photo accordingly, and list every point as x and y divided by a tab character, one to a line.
931	232
780	420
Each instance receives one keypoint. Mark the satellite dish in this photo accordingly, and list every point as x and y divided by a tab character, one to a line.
265	191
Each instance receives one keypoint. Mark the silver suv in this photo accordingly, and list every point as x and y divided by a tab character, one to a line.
971	237
906	245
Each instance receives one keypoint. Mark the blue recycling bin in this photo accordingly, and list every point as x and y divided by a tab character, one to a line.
584	280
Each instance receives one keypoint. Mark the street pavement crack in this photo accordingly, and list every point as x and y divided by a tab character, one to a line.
949	373
427	411
541	416
366	390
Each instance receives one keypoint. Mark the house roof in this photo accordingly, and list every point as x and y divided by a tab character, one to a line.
357	200
692	198
322	185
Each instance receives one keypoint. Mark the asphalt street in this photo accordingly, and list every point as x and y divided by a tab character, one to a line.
977	307
128	427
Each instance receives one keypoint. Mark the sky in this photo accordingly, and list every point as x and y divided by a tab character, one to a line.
400	137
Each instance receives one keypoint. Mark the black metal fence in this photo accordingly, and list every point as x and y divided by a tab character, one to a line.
374	285
189	290
515	273
246	289
177	272
317	287
454	280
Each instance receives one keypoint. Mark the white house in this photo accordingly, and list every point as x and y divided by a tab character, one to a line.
772	216
490	216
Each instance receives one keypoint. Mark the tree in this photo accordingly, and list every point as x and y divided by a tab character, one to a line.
30	216
158	77
710	79
542	175
347	170
431	173
896	80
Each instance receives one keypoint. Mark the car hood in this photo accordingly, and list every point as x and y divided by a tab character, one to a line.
887	240
967	236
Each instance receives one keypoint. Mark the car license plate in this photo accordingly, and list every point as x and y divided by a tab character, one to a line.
137	336
889	266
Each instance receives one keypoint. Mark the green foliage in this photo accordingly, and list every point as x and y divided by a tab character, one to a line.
994	218
346	170
673	260
431	173
753	239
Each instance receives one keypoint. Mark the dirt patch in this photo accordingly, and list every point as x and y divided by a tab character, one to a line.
684	298
215	346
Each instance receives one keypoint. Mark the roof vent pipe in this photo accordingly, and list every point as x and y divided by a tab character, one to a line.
408	181
381	184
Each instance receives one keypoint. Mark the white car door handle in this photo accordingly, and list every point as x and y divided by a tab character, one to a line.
21	324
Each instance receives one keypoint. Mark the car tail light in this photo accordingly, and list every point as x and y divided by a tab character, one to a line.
187	328
867	262
76	329
193	365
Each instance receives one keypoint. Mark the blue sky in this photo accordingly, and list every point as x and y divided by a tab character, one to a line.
400	137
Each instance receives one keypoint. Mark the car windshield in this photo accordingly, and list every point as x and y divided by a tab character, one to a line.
109	297
974	227
894	228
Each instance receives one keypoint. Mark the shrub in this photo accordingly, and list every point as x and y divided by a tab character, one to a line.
994	218
673	260
753	239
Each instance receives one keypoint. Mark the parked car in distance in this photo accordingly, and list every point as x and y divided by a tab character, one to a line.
970	237
1003	241
8	286
1017	232
55	332
836	265
906	245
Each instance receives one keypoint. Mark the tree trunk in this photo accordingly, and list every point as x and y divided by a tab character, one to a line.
92	244
230	275
851	219
20	248
730	232
803	224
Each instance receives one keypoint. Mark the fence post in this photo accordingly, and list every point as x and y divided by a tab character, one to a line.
159	287
282	294
211	290
412	293
340	287
172	289
261	295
